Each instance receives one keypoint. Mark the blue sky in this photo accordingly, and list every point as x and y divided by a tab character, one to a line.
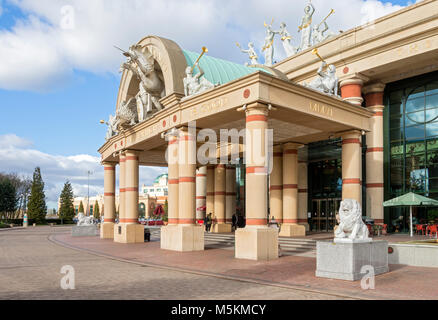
56	84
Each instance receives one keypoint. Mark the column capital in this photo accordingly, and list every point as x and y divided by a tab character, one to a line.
355	78
352	134
292	146
109	164
256	108
376	87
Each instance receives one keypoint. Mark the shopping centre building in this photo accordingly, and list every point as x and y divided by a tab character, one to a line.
376	140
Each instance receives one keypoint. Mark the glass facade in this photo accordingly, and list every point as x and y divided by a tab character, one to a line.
411	145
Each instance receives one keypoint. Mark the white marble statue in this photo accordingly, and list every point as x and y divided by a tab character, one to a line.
351	226
112	127
326	81
151	87
251	53
84	220
126	114
319	34
268	47
286	40
194	84
305	27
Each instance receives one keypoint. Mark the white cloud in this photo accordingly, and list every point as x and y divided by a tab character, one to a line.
16	155
38	53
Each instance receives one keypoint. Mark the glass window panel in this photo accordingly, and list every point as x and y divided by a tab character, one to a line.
432	129
396	97
397	148
414	93
413	133
415	148
432	101
415	104
432	88
396	122
396	134
396	109
415	118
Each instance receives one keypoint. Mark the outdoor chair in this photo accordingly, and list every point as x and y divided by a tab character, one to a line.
420	229
432	230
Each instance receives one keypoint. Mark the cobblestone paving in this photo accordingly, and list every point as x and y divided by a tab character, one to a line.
30	268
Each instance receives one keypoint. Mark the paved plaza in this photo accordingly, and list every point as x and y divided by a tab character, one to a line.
30	267
32	259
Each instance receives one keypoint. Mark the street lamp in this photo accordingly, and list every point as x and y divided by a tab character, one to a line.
88	197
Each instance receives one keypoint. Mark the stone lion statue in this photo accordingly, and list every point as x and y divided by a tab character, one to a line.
84	220
351	225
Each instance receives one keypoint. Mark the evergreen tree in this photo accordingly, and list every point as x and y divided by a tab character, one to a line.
66	209
36	207
81	207
96	210
8	198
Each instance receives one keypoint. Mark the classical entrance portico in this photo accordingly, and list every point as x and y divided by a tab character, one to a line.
273	112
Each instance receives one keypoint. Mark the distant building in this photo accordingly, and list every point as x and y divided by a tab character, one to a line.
158	190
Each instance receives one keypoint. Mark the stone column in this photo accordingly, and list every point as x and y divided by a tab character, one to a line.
130	231
302	194
374	154
352	166
276	185
201	191
256	241
173	179
187	235
122	174
210	190
219	200
109	182
168	233
351	89
290	226
230	194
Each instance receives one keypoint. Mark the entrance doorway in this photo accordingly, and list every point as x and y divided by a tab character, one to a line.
324	213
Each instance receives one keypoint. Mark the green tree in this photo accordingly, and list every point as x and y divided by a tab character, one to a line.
8	198
96	210
166	208
66	208
36	207
81	207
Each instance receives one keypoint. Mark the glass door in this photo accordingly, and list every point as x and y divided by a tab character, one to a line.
324	213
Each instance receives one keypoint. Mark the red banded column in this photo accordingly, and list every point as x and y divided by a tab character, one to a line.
201	191
122	175
173	182
187	178
230	193
107	227
351	166
276	185
256	241
302	194
219	199
290	226
131	188
351	89
374	154
210	190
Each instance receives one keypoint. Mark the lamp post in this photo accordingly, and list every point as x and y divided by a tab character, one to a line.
88	193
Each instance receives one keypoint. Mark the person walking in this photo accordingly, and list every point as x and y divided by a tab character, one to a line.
234	222
208	222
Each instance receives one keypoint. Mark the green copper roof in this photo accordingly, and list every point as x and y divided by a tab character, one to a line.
218	70
157	179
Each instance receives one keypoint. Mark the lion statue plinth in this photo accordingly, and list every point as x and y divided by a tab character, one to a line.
84	220
351	227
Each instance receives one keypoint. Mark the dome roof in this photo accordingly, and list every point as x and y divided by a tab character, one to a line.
218	70
157	179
